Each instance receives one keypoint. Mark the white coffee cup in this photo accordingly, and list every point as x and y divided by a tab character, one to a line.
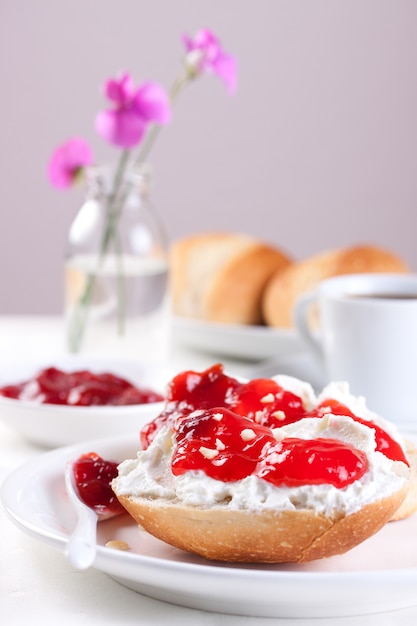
367	336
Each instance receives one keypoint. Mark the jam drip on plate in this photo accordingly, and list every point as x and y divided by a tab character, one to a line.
81	388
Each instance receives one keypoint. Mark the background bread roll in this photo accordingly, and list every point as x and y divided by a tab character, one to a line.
287	285
220	277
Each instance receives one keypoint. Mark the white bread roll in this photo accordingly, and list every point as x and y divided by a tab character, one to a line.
220	277
286	286
253	520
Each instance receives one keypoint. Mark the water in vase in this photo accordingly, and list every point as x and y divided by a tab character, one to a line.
128	310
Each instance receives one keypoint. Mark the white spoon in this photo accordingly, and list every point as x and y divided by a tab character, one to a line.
82	544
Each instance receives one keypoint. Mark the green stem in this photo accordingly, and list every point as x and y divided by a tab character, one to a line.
115	210
176	88
79	316
121	284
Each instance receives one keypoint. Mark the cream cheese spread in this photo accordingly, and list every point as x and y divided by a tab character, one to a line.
149	475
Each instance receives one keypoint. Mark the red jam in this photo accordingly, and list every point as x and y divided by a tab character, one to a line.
219	442
189	391
293	462
229	447
384	443
223	427
265	402
261	403
93	476
80	388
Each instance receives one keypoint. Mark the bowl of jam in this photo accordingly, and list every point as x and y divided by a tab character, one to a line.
68	400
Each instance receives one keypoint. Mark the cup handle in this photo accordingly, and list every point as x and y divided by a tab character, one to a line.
300	316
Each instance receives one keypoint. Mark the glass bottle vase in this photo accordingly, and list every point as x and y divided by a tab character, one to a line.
116	269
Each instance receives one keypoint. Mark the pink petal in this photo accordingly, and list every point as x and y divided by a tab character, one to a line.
67	160
226	68
120	90
203	40
213	58
120	127
152	103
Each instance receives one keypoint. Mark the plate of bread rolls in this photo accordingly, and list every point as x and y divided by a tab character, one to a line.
251	497
233	294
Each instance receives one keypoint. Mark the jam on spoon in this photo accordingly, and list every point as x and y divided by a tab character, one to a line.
92	478
87	481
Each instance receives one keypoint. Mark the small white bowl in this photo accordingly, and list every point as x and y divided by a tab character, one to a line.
52	425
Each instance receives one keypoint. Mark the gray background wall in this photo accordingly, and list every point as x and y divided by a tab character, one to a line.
317	149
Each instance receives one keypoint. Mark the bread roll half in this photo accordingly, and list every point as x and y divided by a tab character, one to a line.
252	520
220	277
259	537
286	286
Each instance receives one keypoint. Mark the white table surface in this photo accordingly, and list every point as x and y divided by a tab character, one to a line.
36	582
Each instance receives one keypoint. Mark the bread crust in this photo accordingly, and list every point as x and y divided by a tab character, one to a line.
409	504
287	285
223	534
221	277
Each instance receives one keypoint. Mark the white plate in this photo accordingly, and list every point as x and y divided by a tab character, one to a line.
59	425
237	340
379	575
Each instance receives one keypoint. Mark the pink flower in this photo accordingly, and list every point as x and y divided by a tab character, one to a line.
125	125
120	127
205	54
67	161
151	102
